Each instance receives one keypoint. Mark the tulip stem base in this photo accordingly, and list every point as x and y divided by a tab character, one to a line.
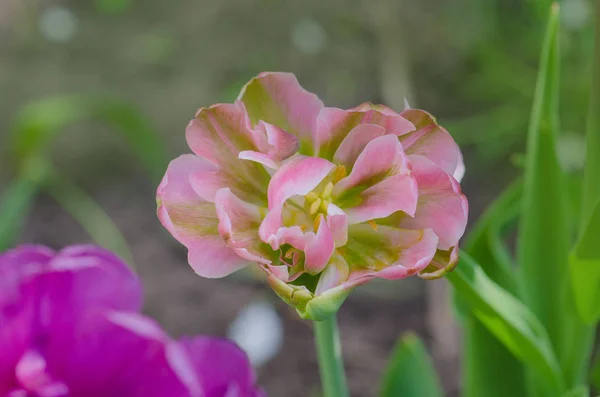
331	364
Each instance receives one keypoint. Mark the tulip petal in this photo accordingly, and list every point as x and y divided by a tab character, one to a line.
318	249
354	143
388	252
133	357
224	367
238	223
218	134
432	141
193	221
396	193
441	206
334	125
381	158
381	115
278	99
335	274
297	176
338	224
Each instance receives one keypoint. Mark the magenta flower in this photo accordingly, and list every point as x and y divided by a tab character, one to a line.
322	199
69	327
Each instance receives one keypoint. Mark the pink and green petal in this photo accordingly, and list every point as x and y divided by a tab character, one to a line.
441	207
442	263
218	134
355	142
338	224
275	145
193	221
334	275
385	117
278	99
381	158
391	253
396	193
318	249
432	141
297	176
238	222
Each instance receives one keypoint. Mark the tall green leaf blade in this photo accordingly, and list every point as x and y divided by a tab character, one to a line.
579	345
484	244
585	269
17	201
591	172
15	204
410	371
90	215
509	320
544	236
581	391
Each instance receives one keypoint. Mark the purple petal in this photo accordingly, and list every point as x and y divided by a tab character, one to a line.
223	367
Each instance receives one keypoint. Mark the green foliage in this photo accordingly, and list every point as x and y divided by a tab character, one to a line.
15	204
90	215
581	391
585	269
485	243
35	128
410	372
508	319
37	124
544	235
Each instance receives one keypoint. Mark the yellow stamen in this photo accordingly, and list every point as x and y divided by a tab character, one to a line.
303	228
340	173
373	224
317	222
311	197
327	191
324	205
314	207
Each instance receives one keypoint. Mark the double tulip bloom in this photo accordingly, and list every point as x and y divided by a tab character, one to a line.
70	327
321	199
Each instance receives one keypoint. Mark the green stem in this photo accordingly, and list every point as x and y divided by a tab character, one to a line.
331	364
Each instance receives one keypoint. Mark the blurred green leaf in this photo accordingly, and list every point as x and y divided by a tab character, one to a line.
485	244
580	342
591	172
113	6
544	235
90	215
582	391
410	371
16	203
595	373
508	319
585	269
38	123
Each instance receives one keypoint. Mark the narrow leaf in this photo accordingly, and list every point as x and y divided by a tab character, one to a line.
582	391
579	344
485	244
544	236
591	172
508	319
410	371
585	270
14	207
16	203
90	215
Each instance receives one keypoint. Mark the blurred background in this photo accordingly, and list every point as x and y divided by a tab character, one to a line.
95	96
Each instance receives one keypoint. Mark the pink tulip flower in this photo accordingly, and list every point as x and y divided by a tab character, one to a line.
321	199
